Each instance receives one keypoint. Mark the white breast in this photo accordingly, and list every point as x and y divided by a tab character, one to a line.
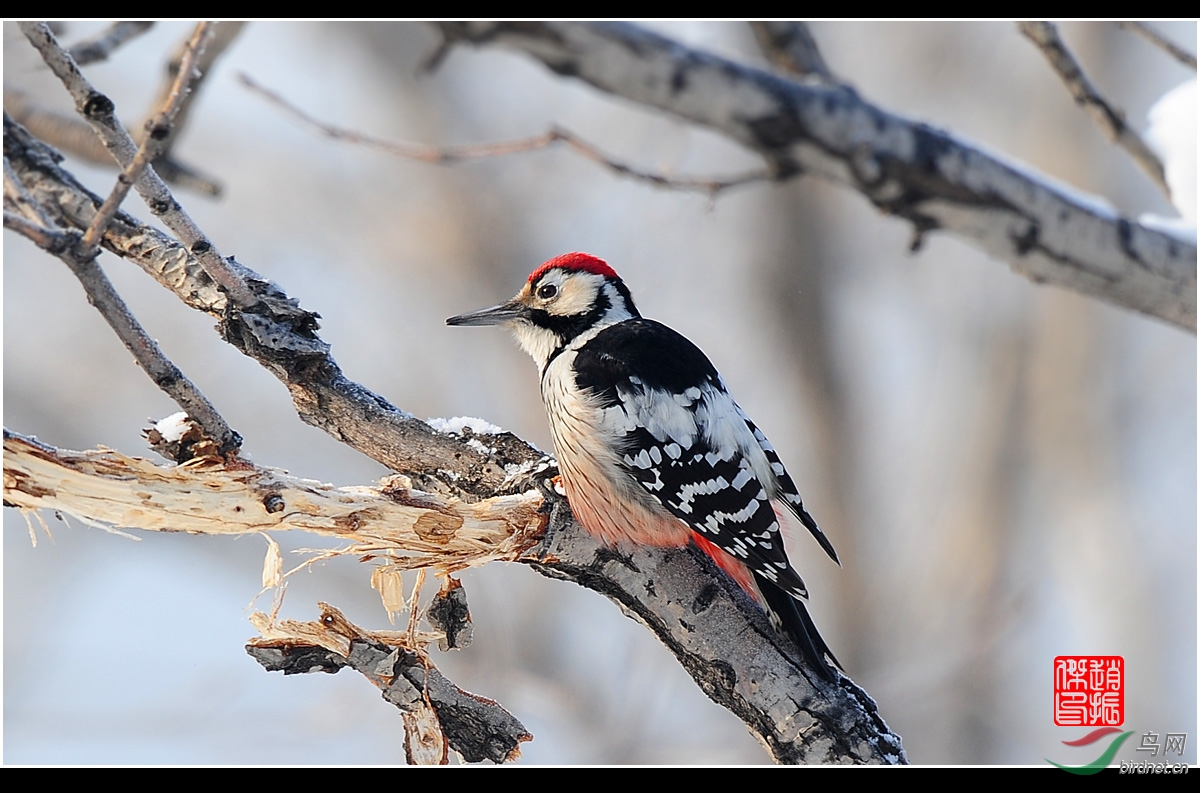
608	502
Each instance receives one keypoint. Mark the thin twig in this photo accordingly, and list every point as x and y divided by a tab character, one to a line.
100	46
70	134
1110	120
414	606
223	34
790	46
449	155
48	239
98	109
1161	41
36	225
165	374
158	133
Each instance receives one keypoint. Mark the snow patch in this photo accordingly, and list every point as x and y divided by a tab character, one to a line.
480	447
456	425
172	427
1179	228
1172	135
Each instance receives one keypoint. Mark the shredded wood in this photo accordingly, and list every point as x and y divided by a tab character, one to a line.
413	529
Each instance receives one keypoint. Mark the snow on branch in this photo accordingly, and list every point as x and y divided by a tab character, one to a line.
934	179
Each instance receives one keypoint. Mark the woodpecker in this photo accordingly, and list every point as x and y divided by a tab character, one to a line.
651	447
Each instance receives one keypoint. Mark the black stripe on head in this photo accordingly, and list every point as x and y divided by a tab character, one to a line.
567	327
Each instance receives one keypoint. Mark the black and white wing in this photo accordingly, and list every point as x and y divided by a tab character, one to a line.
681	436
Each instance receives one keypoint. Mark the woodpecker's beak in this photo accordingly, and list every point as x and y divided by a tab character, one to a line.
511	311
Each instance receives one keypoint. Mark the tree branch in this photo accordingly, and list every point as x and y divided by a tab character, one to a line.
1110	120
932	178
98	109
282	337
100	46
222	36
449	155
81	259
790	46
437	713
716	632
210	495
77	137
159	131
1160	41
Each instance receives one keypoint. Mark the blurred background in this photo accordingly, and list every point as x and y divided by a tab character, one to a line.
1008	471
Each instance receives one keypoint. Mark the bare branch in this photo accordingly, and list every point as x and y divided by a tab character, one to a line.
716	632
449	155
100	46
67	132
145	350
219	497
213	496
76	137
790	46
57	193
282	337
49	240
222	35
1160	41
158	134
1110	120
928	176
476	728
98	109
103	295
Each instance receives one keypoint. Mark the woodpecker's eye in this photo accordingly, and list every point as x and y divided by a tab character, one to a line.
547	291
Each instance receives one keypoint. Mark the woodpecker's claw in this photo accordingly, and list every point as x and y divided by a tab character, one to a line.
554	504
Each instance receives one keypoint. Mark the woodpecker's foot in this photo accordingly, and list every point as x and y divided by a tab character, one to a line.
554	504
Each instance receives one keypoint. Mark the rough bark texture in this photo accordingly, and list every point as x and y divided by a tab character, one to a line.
475	727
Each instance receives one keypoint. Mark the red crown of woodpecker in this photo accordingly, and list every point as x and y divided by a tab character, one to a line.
576	262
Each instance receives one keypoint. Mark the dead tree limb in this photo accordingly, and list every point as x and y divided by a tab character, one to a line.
715	631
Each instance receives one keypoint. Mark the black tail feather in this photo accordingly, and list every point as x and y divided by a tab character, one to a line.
798	626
